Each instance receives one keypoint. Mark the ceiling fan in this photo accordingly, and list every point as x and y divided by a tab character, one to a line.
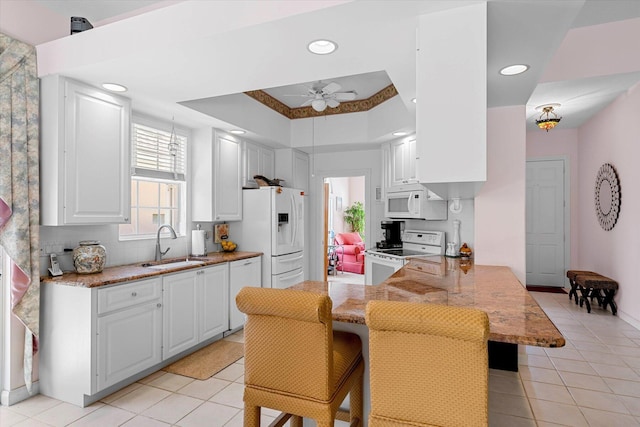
320	96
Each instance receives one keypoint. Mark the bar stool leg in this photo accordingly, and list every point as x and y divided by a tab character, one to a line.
356	405
251	416
296	421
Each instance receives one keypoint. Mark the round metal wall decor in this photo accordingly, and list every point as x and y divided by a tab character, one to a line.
607	196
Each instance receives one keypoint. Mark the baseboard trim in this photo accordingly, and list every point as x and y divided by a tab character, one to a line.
551	289
11	397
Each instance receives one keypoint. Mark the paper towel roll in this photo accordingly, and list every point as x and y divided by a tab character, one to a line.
197	242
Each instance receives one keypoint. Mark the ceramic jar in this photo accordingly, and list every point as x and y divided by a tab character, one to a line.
89	257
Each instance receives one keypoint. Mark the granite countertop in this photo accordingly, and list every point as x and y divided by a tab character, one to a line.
514	316
126	273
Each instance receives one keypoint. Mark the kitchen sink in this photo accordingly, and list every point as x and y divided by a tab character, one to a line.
174	264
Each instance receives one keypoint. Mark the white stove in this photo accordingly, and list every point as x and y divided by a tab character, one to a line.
382	263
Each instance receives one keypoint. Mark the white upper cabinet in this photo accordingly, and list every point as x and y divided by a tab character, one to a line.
293	167
451	112
402	161
257	160
85	154
217	176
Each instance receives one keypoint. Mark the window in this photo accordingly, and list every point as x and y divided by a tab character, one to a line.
158	184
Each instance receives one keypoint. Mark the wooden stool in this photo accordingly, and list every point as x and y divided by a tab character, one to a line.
594	286
571	275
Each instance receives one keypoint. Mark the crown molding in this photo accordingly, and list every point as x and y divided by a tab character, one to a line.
357	106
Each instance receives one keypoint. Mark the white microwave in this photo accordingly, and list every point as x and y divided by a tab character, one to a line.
414	201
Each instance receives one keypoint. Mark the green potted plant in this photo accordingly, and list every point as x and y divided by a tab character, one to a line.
354	216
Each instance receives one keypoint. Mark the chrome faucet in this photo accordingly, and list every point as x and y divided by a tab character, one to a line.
159	252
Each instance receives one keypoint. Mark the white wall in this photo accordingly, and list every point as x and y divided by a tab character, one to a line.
612	137
500	204
339	191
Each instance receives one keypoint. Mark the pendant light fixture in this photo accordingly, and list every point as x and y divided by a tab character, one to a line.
173	147
313	147
545	121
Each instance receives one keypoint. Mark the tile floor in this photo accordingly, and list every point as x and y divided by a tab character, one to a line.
593	381
346	277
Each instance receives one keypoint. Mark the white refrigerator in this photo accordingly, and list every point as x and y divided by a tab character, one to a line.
273	223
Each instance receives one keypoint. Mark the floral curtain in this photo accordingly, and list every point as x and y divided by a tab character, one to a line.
19	184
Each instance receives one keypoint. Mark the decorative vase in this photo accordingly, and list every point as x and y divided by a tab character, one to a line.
89	257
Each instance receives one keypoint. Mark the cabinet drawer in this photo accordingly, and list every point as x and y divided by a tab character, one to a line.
283	281
283	263
127	295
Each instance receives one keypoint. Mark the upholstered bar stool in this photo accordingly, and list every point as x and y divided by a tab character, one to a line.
428	365
294	361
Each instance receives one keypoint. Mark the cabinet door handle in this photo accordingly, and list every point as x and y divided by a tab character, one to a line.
134	294
126	219
159	305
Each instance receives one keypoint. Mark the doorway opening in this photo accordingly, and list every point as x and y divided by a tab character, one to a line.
344	228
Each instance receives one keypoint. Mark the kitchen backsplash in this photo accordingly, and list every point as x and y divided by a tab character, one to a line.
62	240
466	217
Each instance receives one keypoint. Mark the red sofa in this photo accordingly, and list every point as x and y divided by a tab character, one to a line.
350	252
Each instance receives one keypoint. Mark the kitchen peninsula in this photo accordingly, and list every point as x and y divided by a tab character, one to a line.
514	316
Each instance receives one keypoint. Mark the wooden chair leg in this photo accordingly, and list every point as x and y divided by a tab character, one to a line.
296	421
355	404
251	415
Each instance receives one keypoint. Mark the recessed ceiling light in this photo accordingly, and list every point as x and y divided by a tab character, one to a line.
237	131
322	47
114	87
512	70
399	133
414	100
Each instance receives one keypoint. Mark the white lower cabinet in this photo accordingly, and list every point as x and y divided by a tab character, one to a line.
195	307
129	341
213	302
180	327
245	272
96	340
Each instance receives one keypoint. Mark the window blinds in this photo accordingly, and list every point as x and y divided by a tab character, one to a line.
153	155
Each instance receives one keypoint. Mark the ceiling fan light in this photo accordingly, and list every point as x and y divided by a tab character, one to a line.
322	47
318	105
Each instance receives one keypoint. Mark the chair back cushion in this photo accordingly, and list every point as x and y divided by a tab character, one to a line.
428	363
288	341
348	238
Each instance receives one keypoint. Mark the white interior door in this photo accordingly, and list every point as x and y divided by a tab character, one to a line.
545	219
